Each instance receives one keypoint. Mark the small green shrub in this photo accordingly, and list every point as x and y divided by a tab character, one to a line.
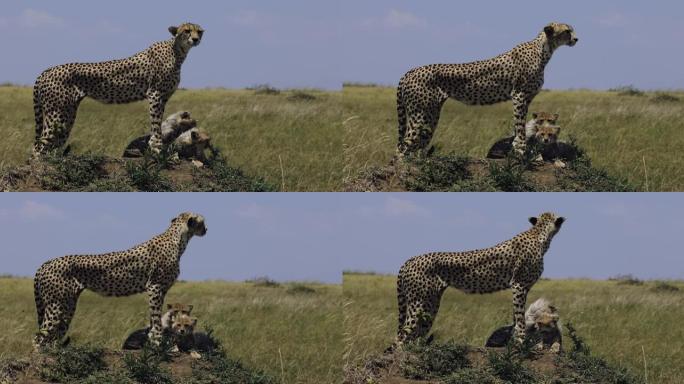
435	173
510	177
220	177
507	366
433	360
146	174
145	367
70	363
70	172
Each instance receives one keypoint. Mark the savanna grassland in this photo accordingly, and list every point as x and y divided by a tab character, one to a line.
632	134
291	138
629	323
292	331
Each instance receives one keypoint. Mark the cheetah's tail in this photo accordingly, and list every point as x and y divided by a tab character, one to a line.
38	112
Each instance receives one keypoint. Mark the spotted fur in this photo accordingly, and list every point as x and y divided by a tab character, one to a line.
516	75
151	267
516	263
152	75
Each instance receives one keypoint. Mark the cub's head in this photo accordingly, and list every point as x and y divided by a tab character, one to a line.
548	222
199	137
544	118
547	134
547	320
179	308
187	34
560	34
183	325
195	223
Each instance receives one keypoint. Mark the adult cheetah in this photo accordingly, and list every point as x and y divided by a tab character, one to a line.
151	267
516	75
516	263
152	74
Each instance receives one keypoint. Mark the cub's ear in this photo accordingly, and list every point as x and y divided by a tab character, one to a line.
556	129
560	221
533	220
194	321
534	115
169	306
549	29
173	30
190	308
194	135
555	116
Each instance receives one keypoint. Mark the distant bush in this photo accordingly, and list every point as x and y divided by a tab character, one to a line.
662	97
358	84
299	288
627	90
626	280
263	281
301	96
662	286
265	89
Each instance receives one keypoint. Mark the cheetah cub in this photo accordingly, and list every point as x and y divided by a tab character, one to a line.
541	321
174	310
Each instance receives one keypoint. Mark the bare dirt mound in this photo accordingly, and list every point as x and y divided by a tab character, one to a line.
454	173
77	173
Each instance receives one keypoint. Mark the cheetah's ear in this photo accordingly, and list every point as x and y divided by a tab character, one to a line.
555	116
534	115
169	306
173	30
191	222
533	220
190	308
559	222
549	29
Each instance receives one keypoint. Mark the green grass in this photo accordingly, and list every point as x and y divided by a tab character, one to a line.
291	336
624	324
292	139
633	137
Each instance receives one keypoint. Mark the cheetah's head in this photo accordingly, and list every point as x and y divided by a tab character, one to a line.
187	34
548	222
195	223
561	34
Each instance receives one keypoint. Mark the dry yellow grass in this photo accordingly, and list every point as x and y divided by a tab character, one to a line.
296	337
617	321
635	137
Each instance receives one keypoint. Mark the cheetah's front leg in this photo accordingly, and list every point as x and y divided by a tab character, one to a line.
156	301
157	104
519	299
520	107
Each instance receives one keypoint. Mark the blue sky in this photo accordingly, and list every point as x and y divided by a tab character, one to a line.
320	43
314	236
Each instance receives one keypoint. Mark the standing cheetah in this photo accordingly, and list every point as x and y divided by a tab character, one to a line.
152	74
151	267
516	263
516	75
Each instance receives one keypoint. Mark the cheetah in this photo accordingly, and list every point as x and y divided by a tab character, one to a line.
516	75
539	120
153	74
542	321
516	263
151	267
